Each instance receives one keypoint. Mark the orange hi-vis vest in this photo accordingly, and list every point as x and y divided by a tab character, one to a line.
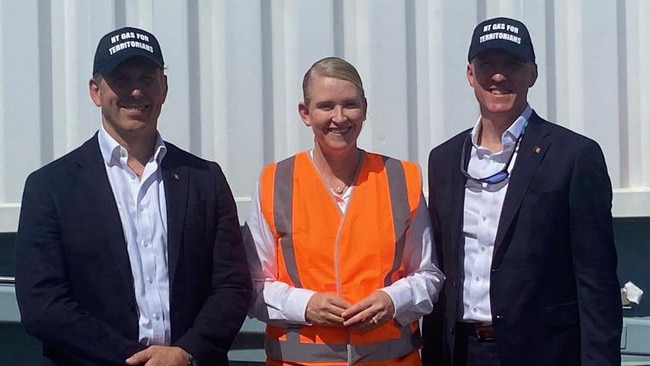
351	254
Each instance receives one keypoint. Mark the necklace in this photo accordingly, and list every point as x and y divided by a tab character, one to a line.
336	190
339	189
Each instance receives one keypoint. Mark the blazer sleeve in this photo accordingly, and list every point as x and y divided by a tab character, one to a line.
224	310
47	306
594	257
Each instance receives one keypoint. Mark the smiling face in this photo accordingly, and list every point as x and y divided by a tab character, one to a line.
131	98
335	111
501	81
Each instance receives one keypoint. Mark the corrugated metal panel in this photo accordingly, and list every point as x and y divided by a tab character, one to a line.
235	69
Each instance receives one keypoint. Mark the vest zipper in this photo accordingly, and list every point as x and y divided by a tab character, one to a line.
337	274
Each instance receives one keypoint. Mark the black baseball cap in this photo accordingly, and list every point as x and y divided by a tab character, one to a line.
505	34
121	44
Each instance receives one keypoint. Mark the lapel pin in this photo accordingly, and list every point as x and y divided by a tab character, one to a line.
537	149
175	176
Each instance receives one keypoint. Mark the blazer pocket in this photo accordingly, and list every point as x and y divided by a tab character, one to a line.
546	195
562	315
197	211
549	209
196	222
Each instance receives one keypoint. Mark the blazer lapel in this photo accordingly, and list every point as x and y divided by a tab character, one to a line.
530	154
176	180
98	192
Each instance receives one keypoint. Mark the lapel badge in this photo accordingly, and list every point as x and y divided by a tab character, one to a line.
175	176
537	149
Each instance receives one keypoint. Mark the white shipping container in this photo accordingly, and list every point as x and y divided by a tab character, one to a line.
235	69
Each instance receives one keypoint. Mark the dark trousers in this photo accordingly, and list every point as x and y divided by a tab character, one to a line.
469	350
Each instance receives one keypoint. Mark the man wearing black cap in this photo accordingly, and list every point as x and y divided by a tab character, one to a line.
128	249
521	211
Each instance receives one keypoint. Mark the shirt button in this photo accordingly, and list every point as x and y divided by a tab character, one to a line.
149	280
474	310
484	218
145	243
478	279
482	249
156	316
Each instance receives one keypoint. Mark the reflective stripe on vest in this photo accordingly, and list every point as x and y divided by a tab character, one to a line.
283	214
400	206
290	348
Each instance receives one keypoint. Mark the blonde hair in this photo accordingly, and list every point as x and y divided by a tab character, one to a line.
333	67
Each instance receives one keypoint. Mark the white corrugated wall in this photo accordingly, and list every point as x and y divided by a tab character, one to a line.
235	69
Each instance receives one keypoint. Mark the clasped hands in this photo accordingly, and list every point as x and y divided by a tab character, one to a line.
330	310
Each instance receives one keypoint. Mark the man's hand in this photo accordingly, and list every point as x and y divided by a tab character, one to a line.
160	356
370	313
326	309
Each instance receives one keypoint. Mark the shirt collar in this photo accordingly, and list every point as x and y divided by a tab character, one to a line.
510	135
112	151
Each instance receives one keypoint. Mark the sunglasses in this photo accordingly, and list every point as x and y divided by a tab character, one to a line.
495	178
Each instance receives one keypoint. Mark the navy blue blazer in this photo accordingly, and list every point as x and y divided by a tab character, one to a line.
73	278
554	290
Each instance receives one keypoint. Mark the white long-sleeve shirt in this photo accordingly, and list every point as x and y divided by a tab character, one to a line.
483	203
279	303
143	212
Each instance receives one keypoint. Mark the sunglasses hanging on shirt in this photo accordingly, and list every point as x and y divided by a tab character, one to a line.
495	178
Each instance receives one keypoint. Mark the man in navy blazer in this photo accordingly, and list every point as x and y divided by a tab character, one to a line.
521	211
129	249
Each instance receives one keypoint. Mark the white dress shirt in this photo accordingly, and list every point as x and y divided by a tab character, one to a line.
143	213
483	203
279	303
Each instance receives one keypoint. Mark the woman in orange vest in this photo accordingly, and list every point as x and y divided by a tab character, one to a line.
339	240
